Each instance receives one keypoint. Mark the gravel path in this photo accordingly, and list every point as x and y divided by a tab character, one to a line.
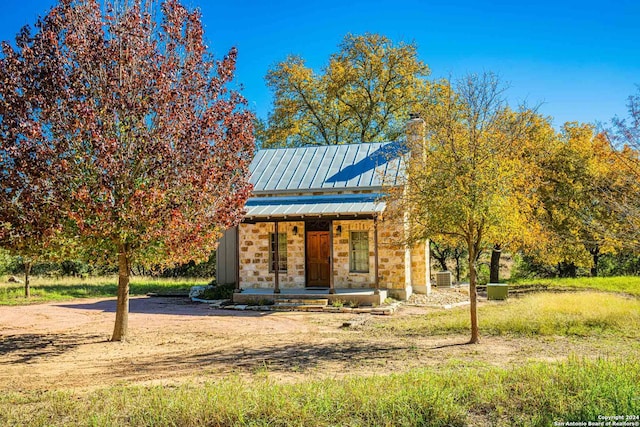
440	297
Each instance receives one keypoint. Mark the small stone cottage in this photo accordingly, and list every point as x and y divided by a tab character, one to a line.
315	225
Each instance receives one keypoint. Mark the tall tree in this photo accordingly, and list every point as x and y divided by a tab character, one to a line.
363	95
626	131
155	146
624	136
470	181
31	179
579	172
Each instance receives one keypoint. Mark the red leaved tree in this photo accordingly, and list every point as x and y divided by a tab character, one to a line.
154	146
31	178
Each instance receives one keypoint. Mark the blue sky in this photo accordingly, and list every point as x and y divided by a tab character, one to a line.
579	59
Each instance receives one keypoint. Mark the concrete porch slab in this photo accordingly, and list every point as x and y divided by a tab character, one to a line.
361	296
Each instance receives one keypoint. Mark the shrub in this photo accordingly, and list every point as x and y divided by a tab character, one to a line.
218	292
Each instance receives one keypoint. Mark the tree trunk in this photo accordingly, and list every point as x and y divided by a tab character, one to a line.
473	298
27	272
595	253
494	271
440	255
442	262
567	269
122	305
457	254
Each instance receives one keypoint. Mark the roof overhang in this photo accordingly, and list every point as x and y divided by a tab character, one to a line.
343	206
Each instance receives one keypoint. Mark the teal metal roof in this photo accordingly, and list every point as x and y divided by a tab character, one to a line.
333	167
334	205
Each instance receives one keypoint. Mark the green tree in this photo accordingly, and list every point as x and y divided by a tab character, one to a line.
364	94
470	180
444	251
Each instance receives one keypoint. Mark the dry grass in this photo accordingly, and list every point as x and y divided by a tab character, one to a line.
531	395
540	314
464	391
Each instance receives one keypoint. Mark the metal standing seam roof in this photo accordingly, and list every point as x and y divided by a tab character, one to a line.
325	169
339	167
338	204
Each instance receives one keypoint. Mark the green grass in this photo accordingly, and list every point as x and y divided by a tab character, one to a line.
48	289
624	284
534	394
539	314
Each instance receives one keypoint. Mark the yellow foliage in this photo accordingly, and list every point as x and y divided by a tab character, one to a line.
364	94
474	179
579	174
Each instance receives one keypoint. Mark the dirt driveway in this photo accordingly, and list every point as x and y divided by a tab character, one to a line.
65	345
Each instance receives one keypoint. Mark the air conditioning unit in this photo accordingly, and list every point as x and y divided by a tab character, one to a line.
443	279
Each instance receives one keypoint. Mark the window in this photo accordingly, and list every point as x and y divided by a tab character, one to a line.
359	252
282	252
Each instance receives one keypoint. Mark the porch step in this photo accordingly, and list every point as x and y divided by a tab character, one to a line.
300	304
302	301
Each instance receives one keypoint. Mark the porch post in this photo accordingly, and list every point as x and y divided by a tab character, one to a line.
331	288
237	287
375	255
276	255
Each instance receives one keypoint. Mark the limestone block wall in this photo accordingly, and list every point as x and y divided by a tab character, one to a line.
420	268
342	277
391	255
254	255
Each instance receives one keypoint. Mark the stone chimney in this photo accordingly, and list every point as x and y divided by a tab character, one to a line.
419	282
415	131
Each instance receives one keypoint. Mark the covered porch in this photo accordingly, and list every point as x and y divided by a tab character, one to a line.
309	246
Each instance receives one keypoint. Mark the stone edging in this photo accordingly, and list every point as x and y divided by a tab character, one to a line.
445	306
381	310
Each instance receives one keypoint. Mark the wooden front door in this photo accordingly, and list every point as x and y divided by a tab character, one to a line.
318	259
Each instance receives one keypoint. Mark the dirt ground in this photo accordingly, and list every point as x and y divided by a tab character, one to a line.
65	345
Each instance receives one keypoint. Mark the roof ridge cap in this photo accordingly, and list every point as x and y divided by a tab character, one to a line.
326	145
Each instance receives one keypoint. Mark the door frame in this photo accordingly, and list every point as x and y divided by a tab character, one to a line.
307	260
315	225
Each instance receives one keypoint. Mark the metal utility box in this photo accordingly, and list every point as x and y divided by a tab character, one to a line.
497	291
443	279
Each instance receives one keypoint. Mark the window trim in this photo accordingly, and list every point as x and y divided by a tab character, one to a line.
282	240
353	251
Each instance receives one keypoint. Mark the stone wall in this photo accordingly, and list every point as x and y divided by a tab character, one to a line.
391	254
254	256
342	277
420	268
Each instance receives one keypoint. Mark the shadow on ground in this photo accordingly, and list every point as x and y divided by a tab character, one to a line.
102	290
170	306
282	358
27	348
